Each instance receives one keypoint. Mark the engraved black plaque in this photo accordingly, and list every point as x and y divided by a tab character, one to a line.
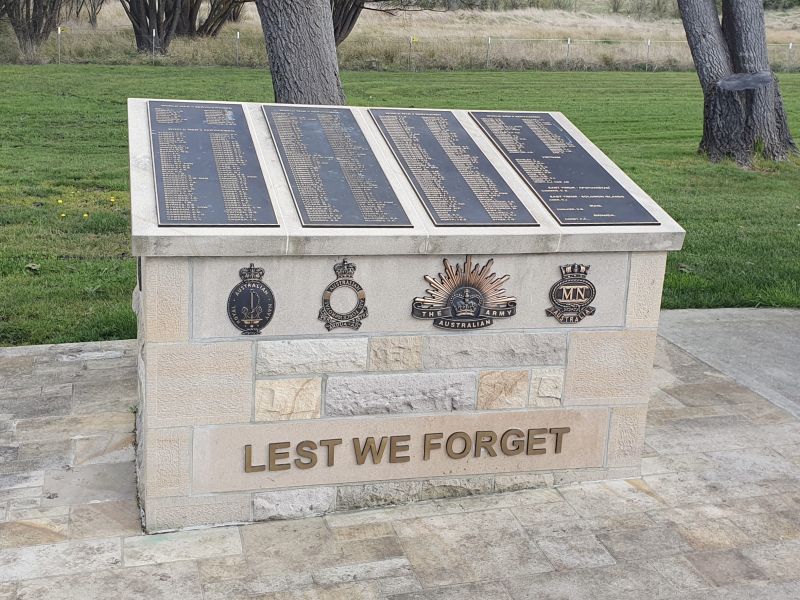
334	177
206	169
573	186
455	180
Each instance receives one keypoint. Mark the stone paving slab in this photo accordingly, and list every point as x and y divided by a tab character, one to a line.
715	516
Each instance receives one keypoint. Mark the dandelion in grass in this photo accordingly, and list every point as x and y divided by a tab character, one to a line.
85	215
61	216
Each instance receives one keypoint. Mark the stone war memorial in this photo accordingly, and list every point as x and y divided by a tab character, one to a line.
344	307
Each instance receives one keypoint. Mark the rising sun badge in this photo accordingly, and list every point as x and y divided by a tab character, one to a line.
465	297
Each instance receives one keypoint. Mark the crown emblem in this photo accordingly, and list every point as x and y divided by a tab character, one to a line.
465	296
251	273
344	269
574	270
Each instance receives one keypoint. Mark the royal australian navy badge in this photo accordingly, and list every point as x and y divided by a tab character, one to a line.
344	280
465	297
572	295
251	303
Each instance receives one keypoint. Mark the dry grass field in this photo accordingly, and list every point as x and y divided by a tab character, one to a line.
521	39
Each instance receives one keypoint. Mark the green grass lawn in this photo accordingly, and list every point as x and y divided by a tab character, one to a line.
66	272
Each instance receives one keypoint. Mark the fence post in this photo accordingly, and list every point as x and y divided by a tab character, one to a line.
237	48
647	60
154	46
569	43
59	45
789	57
410	50
488	48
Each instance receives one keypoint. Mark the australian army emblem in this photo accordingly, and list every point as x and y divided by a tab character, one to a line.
572	295
465	297
344	280
251	304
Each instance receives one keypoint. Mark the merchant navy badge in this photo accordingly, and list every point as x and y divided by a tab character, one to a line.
465	297
572	295
251	303
344	279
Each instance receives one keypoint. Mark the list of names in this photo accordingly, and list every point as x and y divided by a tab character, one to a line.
574	187
334	177
455	181
206	168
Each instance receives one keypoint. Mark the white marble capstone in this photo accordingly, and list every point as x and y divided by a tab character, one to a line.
207	392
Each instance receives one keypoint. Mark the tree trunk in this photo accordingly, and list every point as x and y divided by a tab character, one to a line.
302	51
345	15
743	113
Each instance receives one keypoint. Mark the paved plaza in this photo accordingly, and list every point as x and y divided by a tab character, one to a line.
716	514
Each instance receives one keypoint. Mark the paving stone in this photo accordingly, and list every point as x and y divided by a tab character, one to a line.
778	561
349	533
54	429
679	572
158	582
282	547
225	568
491	590
370	550
253	586
104	449
574	552
33	532
344	591
716	534
8	591
391	586
391	567
726	567
36	406
451	549
89	483
21	480
653	542
105	396
764	527
181	545
610	497
50	560
628	581
104	519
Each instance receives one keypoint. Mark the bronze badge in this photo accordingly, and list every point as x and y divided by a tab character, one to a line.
251	303
344	278
572	295
465	297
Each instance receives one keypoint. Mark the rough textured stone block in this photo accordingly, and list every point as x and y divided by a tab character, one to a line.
605	367
351	497
547	387
522	481
395	353
626	436
161	514
168	456
193	384
165	299
294	503
503	389
455	487
284	399
383	394
495	350
289	357
644	288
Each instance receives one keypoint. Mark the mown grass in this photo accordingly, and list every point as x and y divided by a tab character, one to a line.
63	137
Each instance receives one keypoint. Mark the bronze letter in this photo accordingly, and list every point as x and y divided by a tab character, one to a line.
276	456
560	433
485	440
535	441
369	449
249	467
394	448
458	435
305	449
430	444
331	446
517	446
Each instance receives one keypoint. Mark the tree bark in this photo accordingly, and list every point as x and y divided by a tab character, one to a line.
302	51
345	14
743	113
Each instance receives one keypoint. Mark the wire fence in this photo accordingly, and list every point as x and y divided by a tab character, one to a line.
400	53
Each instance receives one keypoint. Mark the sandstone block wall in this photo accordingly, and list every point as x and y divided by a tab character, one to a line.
206	390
